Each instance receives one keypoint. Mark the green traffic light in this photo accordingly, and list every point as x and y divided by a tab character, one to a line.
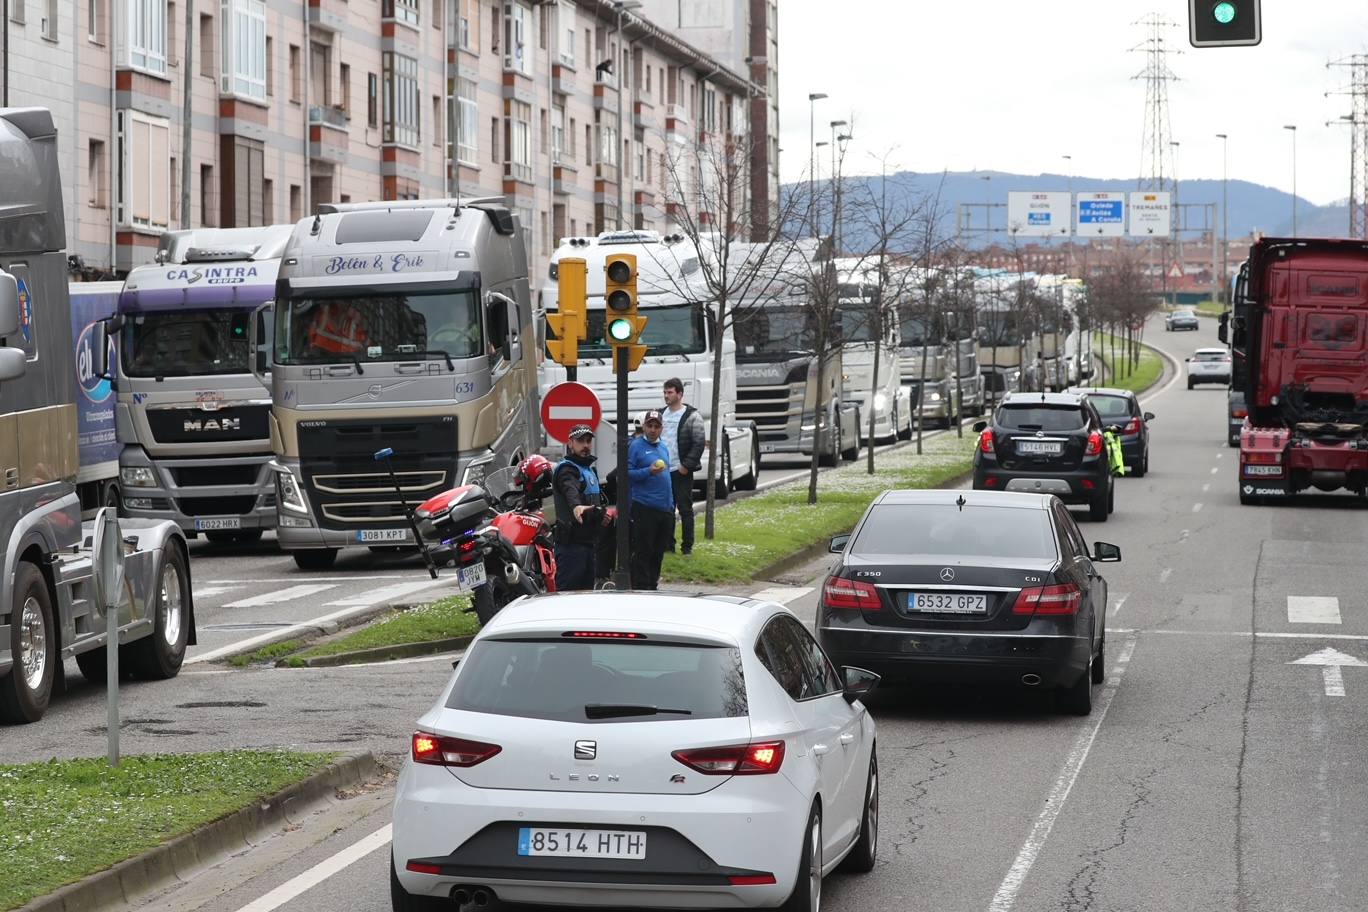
620	330
1223	12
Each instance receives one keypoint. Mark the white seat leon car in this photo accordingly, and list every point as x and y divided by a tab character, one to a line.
616	749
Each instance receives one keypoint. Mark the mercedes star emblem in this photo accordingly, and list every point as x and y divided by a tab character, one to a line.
947	574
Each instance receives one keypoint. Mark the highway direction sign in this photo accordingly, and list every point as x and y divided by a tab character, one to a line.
1102	214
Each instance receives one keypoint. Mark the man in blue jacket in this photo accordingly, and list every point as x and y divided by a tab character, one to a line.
648	471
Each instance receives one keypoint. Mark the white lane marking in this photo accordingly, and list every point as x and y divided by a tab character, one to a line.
782	594
1165	574
1214	470
320	872
385	593
334	578
204	592
1334	681
1005	899
1313	609
1259	634
282	595
1197	507
1120	603
1206	487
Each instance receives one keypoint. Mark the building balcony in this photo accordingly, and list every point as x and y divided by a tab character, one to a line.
562	79
565	177
643	115
676	117
333	116
325	19
328	134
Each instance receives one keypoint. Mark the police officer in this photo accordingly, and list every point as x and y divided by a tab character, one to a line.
580	513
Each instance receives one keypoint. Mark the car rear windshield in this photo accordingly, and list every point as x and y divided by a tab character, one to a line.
1041	417
944	530
1211	356
1111	406
556	679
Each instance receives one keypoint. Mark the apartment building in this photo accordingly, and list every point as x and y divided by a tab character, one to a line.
573	111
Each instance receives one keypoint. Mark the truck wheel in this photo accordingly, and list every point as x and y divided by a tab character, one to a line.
832	456
724	481
26	690
1097	507
159	656
315	558
747	482
853	453
905	433
94	666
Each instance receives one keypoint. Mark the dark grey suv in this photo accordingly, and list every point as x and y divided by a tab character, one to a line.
1120	408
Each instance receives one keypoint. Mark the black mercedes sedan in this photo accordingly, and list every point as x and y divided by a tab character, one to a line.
970	587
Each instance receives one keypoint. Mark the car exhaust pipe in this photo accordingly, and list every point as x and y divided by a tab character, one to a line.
481	897
1030	680
460	896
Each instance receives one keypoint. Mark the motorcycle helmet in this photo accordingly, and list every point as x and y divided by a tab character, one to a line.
534	475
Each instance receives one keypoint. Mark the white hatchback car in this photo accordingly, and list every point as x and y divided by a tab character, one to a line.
638	749
1208	365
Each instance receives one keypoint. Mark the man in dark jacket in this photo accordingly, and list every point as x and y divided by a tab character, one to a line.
648	469
684	435
580	513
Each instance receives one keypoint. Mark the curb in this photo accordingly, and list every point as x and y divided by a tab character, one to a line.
189	854
384	653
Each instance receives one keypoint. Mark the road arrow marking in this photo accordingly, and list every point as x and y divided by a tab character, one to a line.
1331	661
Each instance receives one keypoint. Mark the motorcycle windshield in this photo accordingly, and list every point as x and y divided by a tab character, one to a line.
500	482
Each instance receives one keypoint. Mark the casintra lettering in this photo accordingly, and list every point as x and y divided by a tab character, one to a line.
213	275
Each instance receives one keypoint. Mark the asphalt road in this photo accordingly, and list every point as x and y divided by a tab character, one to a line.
1214	773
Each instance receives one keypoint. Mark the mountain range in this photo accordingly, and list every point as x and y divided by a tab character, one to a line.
1253	207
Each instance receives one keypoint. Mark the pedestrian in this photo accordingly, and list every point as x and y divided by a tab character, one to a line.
580	514
684	435
648	470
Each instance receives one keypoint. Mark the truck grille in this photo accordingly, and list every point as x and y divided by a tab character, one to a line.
217	506
227	425
204	476
768	406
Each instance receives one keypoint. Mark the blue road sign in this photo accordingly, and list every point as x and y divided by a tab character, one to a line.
1101	212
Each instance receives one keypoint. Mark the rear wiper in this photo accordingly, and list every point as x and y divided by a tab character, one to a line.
613	710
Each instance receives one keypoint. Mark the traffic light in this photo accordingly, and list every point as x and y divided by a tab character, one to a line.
622	326
570	322
1224	23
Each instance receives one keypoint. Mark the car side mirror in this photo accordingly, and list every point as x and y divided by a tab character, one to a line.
858	683
1149	416
838	544
980	427
9	305
1187	359
13	363
1105	553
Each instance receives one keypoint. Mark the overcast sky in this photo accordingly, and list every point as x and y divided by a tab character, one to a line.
1015	85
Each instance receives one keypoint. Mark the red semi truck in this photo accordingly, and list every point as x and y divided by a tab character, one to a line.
1298	333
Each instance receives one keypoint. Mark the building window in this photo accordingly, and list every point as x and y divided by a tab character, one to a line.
565	30
296	80
146	34
17	11
344	76
206	46
639	169
175	191
270	66
436	120
520	141
296	203
95	20
467	122
208	207
608	151
268	201
320	72
95	175
468	25
372	100
557	132
517	32
243	48
143	199
249	204
401	99
50	20
494	140
588	144
570	138
402	10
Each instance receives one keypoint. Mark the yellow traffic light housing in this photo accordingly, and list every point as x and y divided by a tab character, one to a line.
570	323
622	326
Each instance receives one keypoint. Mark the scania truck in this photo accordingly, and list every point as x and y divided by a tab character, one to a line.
863	315
680	342
404	325
1002	335
1299	345
192	417
49	611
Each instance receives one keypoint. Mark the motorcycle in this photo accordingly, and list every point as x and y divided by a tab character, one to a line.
495	534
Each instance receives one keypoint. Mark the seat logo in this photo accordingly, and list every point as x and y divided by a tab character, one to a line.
586	750
947	574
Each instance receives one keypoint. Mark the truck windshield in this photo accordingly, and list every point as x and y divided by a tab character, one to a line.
187	343
673	330
379	327
775	331
998	330
857	321
916	332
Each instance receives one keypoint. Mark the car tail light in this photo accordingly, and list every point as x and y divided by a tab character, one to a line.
986	441
1094	444
439	750
420	867
1262	458
1049	600
757	759
602	635
850	594
990	482
1089	484
751	880
1239	413
1132	427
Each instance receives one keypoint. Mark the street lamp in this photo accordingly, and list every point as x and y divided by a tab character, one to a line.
813	98
1225	216
622	6
839	145
1293	128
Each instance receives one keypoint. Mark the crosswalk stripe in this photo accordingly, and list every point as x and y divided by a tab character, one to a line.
386	593
288	594
205	592
1313	609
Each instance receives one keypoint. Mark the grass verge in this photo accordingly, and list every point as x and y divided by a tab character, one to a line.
756	532
436	621
1210	308
65	819
1136	378
266	654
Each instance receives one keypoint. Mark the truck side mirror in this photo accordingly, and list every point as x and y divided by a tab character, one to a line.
9	305
1223	332
261	355
13	363
99	348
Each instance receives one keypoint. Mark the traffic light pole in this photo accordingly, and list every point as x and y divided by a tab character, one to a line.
622	577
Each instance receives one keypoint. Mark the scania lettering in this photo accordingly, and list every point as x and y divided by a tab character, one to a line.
403	325
680	343
49	611
191	412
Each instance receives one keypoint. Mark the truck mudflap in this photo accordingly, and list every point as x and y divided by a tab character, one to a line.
147	540
1279	461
